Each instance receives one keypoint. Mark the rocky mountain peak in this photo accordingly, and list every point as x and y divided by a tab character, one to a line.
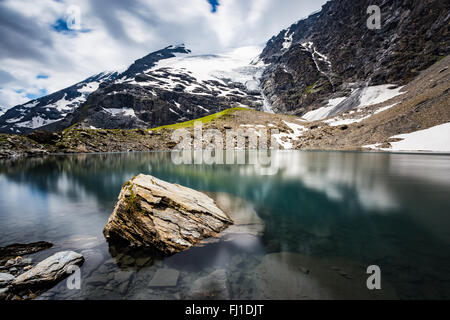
145	63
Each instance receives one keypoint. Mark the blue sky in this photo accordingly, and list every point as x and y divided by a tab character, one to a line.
214	5
40	54
39	93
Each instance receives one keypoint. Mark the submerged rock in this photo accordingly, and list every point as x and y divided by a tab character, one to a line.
166	217
212	287
292	276
3	293
93	260
165	278
49	271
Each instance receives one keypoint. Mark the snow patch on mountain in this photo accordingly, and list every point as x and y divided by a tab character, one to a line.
89	87
126	112
434	139
360	98
14	120
31	104
337	121
287	39
51	108
378	94
385	108
324	112
285	139
234	65
36	122
64	106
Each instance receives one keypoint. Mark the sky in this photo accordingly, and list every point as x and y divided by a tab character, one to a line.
47	45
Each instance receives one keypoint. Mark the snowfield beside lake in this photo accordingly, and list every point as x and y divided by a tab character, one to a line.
434	139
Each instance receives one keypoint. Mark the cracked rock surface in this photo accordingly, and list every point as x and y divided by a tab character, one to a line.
166	217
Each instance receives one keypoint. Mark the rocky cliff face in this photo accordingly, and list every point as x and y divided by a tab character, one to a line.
334	54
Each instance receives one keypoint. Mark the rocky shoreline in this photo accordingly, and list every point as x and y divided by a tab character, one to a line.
22	279
155	219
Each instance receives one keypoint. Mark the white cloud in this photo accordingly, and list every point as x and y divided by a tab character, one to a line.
123	31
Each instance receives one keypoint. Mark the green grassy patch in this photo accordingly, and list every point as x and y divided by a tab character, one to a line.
75	132
309	89
190	123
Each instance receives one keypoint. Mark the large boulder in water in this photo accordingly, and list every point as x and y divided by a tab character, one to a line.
166	217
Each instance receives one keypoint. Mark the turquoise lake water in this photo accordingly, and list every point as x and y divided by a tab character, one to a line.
342	210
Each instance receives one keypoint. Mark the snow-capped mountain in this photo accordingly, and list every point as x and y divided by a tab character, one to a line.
51	108
321	66
164	87
2	110
173	85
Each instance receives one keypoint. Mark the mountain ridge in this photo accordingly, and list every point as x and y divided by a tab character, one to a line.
321	66
39	112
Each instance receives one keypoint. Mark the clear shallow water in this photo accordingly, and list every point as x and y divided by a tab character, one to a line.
335	212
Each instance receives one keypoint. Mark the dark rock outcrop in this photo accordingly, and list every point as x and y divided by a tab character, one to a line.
20	249
45	137
317	58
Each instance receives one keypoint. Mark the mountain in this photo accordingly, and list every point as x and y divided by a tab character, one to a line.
172	85
332	59
2	110
51	108
165	87
324	66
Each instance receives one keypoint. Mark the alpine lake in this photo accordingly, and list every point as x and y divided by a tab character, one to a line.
326	217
